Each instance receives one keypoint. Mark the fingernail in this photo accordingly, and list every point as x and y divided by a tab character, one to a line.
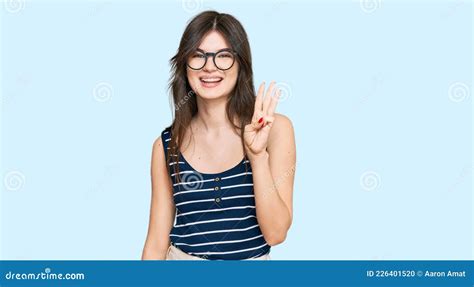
260	120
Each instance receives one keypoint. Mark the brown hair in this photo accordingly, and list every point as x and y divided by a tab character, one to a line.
240	105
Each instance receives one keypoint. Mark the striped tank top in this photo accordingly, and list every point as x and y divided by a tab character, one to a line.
215	213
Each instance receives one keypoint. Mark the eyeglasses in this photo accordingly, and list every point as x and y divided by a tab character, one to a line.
223	59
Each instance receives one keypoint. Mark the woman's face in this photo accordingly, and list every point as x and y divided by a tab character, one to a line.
211	82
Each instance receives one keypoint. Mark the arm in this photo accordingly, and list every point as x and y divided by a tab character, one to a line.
273	173
270	146
162	209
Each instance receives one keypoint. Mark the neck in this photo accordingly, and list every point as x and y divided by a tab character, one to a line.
211	115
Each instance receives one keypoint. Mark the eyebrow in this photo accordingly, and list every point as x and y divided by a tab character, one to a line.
201	50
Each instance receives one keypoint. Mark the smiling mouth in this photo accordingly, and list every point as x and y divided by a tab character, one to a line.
210	82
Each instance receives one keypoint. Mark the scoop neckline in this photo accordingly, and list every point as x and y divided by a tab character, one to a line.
203	173
212	174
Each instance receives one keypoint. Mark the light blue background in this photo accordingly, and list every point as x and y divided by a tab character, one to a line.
367	89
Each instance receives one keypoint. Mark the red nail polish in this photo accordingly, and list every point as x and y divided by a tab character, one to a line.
260	120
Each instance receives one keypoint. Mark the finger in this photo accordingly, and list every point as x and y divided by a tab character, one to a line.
258	123
250	127
268	97
259	100
256	117
273	103
267	121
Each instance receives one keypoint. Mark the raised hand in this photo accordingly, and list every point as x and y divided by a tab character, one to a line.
256	133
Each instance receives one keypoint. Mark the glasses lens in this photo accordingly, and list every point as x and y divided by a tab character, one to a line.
197	61
224	60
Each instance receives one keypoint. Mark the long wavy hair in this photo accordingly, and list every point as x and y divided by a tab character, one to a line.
241	101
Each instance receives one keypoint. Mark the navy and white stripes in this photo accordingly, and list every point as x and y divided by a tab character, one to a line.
215	213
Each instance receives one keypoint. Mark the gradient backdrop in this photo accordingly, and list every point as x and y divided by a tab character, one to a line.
379	92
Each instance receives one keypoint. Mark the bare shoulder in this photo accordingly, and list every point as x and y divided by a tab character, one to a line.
281	135
157	143
282	127
159	171
282	121
158	152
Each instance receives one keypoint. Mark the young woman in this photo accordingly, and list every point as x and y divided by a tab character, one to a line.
222	173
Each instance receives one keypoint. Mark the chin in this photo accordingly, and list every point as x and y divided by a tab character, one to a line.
211	95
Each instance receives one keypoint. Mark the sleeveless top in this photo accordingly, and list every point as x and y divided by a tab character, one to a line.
215	213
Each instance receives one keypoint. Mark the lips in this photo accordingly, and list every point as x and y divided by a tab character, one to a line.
210	82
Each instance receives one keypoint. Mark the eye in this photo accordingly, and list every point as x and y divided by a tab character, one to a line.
198	55
225	55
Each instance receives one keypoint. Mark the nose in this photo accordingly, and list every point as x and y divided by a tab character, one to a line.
209	67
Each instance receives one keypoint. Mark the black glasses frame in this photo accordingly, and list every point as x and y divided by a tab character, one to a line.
213	55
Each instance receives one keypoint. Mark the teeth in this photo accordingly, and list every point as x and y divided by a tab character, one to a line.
211	80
